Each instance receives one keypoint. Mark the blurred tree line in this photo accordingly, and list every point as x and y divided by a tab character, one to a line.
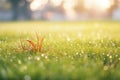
15	6
22	8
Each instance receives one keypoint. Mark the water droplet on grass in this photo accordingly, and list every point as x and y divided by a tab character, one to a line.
116	55
77	53
111	60
37	58
23	68
56	58
113	44
68	39
119	59
105	68
42	55
69	56
103	53
82	52
19	62
29	58
65	54
27	77
9	53
104	59
46	57
102	41
11	60
110	57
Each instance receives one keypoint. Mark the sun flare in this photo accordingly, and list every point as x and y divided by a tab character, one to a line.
37	4
100	5
56	2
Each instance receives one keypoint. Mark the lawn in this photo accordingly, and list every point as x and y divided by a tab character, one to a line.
86	50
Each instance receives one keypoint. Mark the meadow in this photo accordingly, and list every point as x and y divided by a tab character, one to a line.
83	50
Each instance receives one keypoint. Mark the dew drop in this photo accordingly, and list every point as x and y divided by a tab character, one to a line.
37	58
42	55
46	57
23	68
68	39
103	53
11	60
27	77
105	68
65	54
110	57
80	54
77	53
19	62
119	59
116	55
104	59
29	58
113	44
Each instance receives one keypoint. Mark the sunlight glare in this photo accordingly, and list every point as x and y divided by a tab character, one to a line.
37	4
101	5
69	8
69	4
56	2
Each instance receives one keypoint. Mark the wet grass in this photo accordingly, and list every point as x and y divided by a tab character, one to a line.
71	51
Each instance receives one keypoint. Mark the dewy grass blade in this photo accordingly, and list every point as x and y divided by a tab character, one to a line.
21	45
40	43
33	45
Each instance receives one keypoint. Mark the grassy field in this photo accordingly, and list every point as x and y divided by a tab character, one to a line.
71	51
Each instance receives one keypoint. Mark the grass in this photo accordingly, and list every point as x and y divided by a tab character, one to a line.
87	50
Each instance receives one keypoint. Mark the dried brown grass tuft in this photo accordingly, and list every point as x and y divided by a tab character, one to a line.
32	46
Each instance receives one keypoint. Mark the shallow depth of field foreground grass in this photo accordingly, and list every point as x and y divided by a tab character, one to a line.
71	51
